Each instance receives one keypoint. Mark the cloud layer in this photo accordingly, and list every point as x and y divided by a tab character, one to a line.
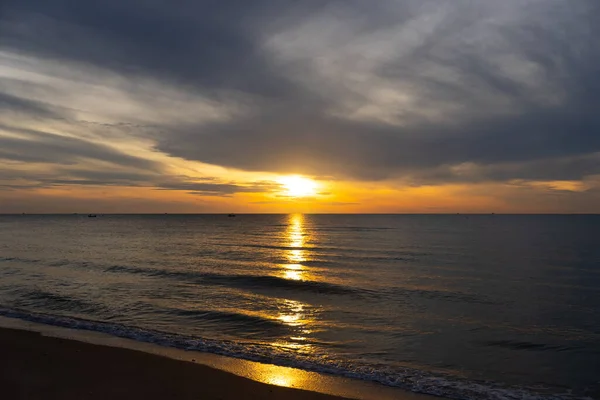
422	92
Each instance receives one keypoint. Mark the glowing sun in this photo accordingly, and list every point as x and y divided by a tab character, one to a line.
297	186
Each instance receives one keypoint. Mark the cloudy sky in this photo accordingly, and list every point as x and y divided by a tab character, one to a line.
382	106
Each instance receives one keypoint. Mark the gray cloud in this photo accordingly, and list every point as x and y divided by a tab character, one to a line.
508	90
42	147
373	151
105	204
196	44
68	176
31	108
211	187
561	169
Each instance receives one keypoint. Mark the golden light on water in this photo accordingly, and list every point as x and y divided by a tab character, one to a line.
293	313
293	275
280	380
291	377
295	254
295	230
290	319
298	316
298	186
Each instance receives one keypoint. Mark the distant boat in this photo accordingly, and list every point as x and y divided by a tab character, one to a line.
91	215
231	215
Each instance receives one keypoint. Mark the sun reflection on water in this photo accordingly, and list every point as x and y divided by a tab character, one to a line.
296	236
293	275
295	253
280	380
295	315
292	313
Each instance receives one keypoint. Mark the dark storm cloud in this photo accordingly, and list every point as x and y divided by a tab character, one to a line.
519	77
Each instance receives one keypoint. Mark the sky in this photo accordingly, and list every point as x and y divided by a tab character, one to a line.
387	106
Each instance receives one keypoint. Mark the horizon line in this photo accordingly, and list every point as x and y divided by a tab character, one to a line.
291	213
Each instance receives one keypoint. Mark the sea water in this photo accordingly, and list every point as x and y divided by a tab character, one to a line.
462	306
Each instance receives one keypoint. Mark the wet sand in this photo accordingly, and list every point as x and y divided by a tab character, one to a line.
33	366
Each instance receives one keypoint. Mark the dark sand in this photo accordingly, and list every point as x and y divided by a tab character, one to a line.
33	366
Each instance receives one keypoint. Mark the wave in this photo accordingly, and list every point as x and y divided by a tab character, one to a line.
406	378
273	282
20	259
460	297
345	253
57	302
277	247
245	321
351	228
244	281
51	263
524	345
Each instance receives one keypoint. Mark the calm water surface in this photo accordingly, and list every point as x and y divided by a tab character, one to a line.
498	307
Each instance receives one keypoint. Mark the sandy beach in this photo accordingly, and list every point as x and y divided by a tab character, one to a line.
39	367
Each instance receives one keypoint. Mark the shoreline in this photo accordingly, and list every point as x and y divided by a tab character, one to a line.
68	363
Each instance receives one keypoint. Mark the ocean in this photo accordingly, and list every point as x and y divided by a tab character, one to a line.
461	306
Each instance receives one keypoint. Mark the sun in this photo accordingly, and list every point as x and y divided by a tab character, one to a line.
298	186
